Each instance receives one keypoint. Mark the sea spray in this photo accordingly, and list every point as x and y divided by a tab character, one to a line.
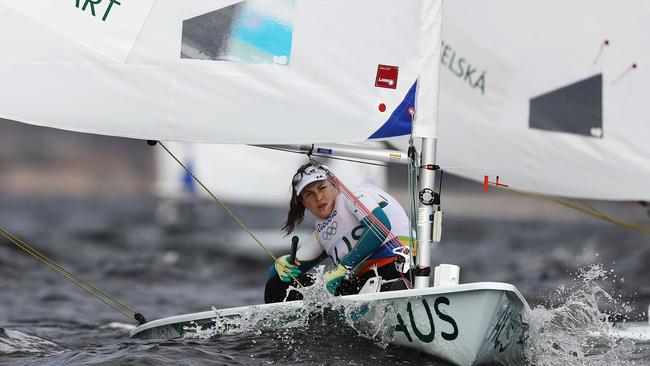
319	310
575	331
317	303
370	320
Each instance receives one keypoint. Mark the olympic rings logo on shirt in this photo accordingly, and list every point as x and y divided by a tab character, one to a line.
330	231
324	224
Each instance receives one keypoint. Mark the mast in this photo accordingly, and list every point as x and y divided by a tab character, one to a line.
425	126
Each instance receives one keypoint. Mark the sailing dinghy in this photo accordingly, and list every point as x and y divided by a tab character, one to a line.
277	72
467	324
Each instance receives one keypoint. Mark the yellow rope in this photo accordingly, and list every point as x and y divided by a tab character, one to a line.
83	284
224	207
589	210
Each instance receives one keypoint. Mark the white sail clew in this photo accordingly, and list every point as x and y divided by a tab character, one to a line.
219	71
545	95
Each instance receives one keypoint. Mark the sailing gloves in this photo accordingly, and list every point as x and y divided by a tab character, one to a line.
286	271
333	277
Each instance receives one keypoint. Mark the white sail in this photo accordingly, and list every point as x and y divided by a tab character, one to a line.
548	98
552	100
255	72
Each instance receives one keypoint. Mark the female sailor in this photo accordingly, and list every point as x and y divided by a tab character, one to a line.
360	230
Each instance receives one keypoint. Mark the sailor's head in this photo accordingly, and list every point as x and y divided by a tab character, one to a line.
306	175
313	190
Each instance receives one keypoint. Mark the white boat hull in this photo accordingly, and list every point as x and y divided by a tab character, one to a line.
468	324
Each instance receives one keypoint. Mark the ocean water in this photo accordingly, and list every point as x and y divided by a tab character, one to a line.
579	277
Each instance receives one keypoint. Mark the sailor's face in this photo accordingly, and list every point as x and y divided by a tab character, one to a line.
319	198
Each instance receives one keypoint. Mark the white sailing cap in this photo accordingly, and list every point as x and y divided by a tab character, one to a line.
310	175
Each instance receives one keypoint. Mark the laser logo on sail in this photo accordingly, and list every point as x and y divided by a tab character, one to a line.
387	76
103	7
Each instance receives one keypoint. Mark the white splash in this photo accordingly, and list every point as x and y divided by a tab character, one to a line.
576	332
318	304
372	320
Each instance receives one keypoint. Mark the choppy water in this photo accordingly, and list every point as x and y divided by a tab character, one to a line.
575	275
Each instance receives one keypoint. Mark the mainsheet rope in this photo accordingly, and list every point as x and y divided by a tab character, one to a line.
102	296
376	226
224	207
220	202
589	210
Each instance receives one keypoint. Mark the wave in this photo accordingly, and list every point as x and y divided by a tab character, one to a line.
14	342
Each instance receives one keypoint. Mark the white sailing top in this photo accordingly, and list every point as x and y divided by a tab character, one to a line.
340	232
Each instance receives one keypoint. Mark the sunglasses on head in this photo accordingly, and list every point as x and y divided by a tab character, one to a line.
309	170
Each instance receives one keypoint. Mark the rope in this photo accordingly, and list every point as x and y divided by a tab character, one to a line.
115	304
375	226
589	210
412	188
224	207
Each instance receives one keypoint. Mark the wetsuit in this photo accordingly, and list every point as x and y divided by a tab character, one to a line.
349	239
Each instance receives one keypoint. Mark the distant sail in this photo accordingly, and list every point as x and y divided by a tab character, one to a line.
219	71
553	98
